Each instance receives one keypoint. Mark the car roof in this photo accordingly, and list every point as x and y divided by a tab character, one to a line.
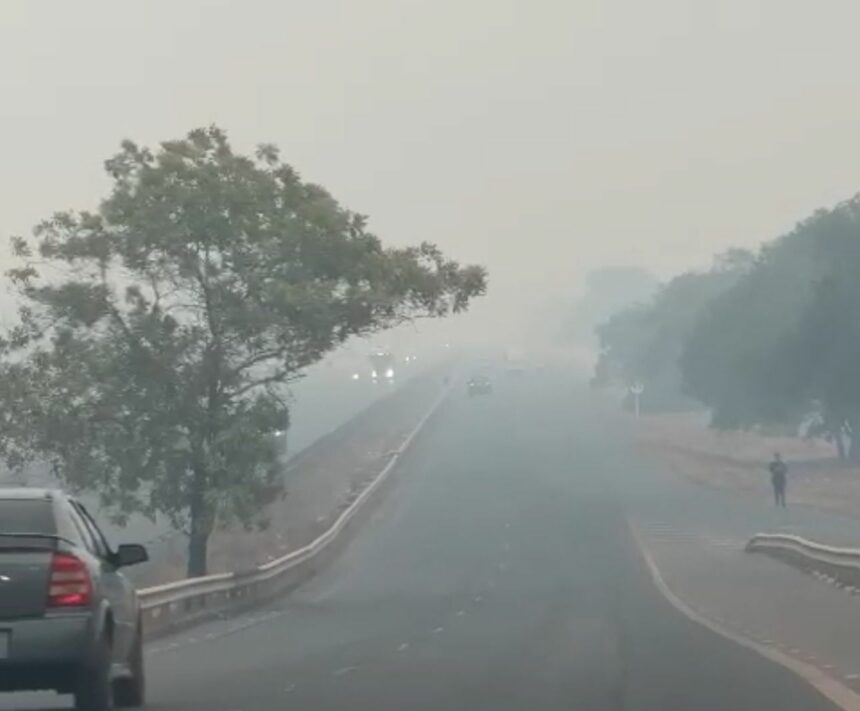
29	493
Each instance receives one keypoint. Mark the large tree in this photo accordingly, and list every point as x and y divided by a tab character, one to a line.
783	344
820	356
158	333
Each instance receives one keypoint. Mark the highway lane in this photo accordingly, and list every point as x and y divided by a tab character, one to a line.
498	574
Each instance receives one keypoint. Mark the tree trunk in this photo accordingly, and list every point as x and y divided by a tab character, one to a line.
201	526
201	512
198	547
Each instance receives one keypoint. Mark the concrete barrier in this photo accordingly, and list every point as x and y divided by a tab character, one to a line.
841	565
186	602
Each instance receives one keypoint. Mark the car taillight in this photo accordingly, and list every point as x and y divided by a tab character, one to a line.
69	584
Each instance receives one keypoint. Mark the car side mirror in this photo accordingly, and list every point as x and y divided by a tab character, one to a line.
130	554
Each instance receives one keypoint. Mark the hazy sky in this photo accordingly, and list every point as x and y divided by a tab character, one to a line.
540	137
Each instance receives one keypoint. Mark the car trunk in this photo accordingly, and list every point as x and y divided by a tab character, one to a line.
25	567
27	543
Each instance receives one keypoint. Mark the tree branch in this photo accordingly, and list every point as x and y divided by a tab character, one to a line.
156	303
279	377
256	359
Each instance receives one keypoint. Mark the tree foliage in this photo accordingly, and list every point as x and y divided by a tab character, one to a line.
765	340
158	333
644	342
783	343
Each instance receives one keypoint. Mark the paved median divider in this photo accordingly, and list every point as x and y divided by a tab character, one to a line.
184	603
840	566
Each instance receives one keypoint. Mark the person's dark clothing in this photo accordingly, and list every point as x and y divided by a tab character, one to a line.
778	472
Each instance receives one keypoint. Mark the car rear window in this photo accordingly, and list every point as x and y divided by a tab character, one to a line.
27	516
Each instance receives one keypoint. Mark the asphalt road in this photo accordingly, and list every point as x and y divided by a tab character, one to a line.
498	574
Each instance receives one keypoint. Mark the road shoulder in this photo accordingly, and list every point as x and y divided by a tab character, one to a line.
763	605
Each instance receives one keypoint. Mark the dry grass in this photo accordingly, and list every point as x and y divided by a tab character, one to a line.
737	461
690	431
321	482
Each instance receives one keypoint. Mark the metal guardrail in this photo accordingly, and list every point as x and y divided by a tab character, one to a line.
185	602
842	565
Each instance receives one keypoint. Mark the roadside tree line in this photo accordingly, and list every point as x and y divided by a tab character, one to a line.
157	335
769	338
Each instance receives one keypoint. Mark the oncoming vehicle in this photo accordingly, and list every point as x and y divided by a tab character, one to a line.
69	619
480	385
382	363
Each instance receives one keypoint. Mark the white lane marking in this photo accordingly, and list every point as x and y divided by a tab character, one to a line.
289	687
478	598
438	630
403	647
491	584
503	566
507	525
344	670
460	613
842	696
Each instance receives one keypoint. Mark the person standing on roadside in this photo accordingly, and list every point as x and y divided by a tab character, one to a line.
778	471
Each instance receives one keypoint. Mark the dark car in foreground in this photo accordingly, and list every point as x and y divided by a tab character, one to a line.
69	619
479	385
